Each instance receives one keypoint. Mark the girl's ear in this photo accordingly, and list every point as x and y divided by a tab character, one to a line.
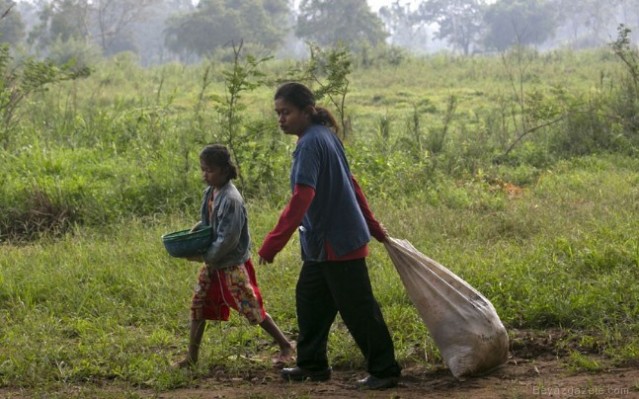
227	172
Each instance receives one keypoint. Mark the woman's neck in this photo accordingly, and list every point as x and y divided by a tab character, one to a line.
303	131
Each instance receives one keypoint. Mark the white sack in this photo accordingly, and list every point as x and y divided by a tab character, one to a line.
463	323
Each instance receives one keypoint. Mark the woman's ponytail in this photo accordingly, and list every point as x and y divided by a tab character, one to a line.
324	117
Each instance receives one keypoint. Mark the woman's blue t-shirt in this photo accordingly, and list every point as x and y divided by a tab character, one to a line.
334	215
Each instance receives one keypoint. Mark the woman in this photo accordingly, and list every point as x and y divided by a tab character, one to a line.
335	225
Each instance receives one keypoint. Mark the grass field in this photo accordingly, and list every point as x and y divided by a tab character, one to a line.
108	303
97	170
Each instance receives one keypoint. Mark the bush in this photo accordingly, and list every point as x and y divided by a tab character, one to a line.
52	190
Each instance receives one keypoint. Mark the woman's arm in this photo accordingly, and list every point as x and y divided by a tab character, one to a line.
288	222
376	228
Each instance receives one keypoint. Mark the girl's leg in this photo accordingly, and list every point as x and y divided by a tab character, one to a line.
247	299
195	339
197	318
274	331
287	348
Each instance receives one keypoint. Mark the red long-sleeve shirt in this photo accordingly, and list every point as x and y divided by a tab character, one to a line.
293	214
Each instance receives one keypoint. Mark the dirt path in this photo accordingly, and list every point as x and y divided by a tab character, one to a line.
534	370
516	379
519	378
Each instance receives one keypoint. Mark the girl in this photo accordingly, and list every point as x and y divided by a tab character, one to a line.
227	280
335	225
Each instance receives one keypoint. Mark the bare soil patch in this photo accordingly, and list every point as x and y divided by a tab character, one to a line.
535	369
519	378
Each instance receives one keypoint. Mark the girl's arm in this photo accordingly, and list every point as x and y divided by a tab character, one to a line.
196	226
228	231
289	221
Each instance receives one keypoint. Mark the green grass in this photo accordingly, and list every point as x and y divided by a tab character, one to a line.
124	141
107	303
96	170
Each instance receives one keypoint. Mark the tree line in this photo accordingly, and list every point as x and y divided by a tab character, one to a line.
159	31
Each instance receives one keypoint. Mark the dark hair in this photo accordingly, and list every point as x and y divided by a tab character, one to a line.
302	97
219	156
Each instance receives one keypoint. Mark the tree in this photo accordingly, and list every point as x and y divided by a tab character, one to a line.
405	27
587	22
519	22
62	20
460	21
148	32
329	70
110	25
330	22
115	18
11	25
630	13
216	23
18	80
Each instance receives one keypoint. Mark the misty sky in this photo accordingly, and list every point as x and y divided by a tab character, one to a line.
376	4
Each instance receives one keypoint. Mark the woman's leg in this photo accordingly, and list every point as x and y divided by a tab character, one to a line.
316	312
351	289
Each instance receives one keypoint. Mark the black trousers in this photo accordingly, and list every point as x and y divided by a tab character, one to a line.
325	288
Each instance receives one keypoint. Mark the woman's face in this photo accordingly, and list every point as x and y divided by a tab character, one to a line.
213	175
291	119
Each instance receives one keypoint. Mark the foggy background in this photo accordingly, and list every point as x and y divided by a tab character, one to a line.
160	31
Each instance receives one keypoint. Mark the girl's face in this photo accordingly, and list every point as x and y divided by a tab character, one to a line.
291	119
213	175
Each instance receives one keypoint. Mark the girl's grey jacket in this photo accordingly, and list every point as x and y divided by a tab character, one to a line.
231	241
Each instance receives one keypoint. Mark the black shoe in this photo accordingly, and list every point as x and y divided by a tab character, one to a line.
299	374
372	382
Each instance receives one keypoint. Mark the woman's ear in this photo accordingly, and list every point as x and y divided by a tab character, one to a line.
310	111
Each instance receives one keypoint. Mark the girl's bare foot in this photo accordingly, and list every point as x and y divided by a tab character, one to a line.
286	356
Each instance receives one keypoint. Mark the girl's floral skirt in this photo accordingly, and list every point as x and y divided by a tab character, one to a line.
219	290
